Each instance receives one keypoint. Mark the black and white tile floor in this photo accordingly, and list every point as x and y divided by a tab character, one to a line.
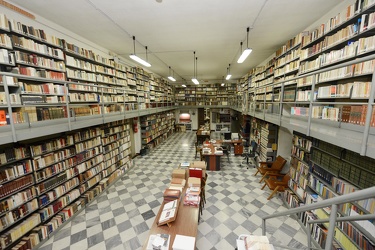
120	218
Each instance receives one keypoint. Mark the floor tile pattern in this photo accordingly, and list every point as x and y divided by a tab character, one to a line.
120	217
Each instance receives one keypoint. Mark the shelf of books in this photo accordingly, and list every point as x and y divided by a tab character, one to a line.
157	128
335	100
268	141
44	182
344	37
320	170
205	94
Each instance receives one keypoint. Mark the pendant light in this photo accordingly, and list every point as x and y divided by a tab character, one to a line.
228	73
247	51
138	59
195	80
170	77
222	82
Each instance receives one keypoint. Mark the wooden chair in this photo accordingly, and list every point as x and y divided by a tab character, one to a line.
270	167
198	149
277	183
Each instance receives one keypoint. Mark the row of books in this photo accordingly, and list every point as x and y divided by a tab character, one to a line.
17	199
39	61
346	14
52	209
78	63
6	57
14	186
11	154
44	88
85	145
87	134
51	145
31	45
42	161
17	214
346	90
35	33
30	71
14	171
54	169
57	192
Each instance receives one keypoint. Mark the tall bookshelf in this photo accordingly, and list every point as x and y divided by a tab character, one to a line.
156	128
205	95
44	182
319	171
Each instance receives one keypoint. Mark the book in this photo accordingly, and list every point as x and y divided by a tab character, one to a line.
182	242
158	242
169	212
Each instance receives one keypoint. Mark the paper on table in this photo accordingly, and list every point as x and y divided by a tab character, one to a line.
182	242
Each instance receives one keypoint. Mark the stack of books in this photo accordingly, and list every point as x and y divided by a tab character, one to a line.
171	194
177	184
192	196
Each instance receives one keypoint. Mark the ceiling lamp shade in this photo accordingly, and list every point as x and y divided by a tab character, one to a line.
228	73
183	85
138	59
195	81
247	51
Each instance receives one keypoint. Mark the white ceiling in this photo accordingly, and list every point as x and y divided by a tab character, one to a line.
173	29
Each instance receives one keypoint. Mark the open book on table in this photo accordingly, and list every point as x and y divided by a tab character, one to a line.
169	212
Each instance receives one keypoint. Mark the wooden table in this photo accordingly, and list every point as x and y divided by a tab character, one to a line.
186	222
212	159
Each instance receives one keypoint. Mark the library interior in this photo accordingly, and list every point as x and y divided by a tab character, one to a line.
113	135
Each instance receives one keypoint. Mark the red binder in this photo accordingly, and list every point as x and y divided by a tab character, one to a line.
195	172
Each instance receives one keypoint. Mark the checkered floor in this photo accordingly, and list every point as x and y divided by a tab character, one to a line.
120	218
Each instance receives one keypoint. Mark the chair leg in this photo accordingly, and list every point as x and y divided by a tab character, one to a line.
265	184
273	193
256	172
263	177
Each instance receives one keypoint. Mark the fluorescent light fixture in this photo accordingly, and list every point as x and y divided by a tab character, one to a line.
195	81
171	78
140	60
183	85
222	84
244	55
228	73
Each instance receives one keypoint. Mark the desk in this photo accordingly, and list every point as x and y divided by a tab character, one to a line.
202	135
212	159
237	144
186	223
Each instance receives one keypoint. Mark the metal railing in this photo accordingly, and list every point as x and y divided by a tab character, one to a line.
333	202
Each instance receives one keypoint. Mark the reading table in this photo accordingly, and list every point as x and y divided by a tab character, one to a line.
186	222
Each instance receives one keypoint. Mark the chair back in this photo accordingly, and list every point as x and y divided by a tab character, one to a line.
279	163
286	179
